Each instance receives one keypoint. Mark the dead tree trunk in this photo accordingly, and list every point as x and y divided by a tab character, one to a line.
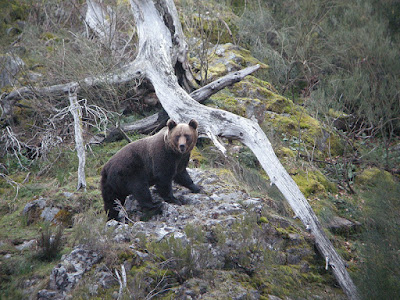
158	120
76	111
158	28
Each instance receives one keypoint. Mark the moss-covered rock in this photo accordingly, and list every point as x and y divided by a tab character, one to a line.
285	152
256	99
226	58
313	182
369	176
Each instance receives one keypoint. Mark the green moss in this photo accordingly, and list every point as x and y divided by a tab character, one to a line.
196	157
254	88
313	182
209	26
263	220
286	231
229	57
64	217
369	177
217	70
285	152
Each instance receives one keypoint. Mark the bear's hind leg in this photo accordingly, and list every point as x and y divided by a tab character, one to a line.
141	193
110	206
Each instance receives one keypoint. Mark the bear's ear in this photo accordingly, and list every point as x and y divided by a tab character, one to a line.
193	123
171	124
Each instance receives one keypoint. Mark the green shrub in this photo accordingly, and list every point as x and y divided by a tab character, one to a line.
49	244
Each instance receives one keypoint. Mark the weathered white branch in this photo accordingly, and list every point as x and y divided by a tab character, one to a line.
154	52
76	111
216	142
151	123
102	22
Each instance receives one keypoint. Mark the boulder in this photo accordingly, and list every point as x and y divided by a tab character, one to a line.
11	65
341	225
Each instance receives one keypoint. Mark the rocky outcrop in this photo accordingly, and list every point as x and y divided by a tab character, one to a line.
66	275
224	236
39	209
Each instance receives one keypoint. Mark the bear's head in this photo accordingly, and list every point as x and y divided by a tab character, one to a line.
181	138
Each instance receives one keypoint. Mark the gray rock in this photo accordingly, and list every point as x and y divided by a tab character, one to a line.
48	295
33	210
11	65
341	225
71	269
112	223
105	278
38	209
26	245
49	213
252	202
211	216
122	232
34	76
34	205
68	194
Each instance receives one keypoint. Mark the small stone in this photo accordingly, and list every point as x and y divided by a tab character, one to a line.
47	295
112	223
68	194
26	245
251	202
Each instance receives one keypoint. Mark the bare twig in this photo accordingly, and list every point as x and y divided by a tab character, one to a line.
121	280
16	186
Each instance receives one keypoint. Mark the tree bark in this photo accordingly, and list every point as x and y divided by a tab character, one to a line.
102	22
155	47
76	111
158	120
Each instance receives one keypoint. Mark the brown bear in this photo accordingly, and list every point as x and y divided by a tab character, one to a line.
155	160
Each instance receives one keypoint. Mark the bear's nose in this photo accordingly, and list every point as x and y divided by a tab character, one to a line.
182	147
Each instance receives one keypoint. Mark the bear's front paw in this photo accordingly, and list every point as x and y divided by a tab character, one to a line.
149	212
195	188
173	200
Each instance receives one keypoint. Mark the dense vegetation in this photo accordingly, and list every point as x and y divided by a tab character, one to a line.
337	59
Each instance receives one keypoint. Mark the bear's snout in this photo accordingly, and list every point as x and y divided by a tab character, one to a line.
182	148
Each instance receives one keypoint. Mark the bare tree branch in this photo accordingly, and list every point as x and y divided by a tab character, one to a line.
158	120
155	47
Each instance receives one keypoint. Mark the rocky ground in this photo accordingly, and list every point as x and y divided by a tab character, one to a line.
221	244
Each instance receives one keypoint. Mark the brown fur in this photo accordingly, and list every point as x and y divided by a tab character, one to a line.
155	160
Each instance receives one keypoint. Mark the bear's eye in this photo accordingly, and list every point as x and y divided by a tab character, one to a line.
187	137
177	138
